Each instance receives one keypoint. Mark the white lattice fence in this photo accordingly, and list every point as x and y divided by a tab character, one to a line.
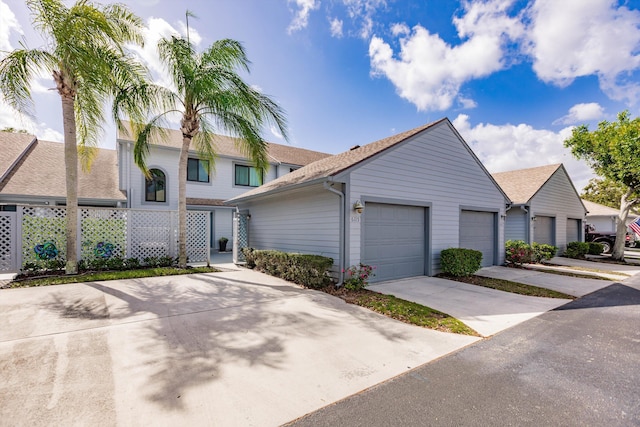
241	232
43	234
104	233
198	236
152	234
8	253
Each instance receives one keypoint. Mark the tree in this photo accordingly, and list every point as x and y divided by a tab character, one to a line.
605	192
84	54
613	152
209	95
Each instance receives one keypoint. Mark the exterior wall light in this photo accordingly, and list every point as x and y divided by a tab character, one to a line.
358	207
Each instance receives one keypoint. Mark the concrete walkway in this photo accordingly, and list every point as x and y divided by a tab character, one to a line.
237	348
488	311
569	285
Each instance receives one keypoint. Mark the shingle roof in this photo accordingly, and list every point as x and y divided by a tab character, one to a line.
522	184
41	173
596	209
331	166
227	146
12	146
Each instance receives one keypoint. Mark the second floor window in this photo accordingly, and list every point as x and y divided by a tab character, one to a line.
248	176
198	170
155	187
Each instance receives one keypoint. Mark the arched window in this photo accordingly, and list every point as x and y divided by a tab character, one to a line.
155	187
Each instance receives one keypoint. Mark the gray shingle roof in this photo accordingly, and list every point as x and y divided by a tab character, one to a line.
228	146
41	173
12	146
596	209
331	166
522	184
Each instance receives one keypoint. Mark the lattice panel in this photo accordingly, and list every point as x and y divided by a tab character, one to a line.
152	234
43	227
241	238
197	236
104	233
7	242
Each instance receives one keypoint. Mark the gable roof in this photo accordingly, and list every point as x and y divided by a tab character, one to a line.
41	173
13	146
334	165
596	209
228	147
522	184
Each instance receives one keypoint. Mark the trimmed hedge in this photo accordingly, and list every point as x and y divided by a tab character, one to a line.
595	248
576	249
542	251
460	261
518	252
311	271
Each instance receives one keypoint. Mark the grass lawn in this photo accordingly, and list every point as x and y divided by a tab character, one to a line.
405	311
95	276
508	286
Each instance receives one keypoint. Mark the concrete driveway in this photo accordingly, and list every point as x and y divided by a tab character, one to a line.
488	311
232	348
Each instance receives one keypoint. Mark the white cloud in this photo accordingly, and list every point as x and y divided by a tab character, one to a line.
8	23
509	147
573	38
301	18
429	72
336	27
580	113
11	118
400	29
362	13
275	132
467	103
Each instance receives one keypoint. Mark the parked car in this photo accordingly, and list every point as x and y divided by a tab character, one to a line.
607	239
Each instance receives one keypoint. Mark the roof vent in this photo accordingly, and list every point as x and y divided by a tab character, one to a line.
355	147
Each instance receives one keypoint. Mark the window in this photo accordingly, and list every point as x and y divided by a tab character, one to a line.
248	176
155	187
198	170
293	169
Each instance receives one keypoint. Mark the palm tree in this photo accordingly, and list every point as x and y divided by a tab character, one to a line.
209	95
84	54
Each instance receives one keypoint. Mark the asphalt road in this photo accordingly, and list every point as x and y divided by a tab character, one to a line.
576	365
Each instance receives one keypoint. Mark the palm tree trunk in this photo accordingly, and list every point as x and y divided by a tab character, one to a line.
71	167
182	201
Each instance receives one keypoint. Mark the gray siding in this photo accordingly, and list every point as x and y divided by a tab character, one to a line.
515	227
303	221
558	198
432	167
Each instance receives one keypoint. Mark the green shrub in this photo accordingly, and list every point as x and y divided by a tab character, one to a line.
132	263
576	249
595	248
518	252
310	271
542	251
460	261
357	277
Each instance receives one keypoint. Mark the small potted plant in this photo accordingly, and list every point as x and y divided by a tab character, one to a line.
223	244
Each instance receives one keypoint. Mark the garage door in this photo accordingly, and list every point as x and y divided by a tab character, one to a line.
477	231
573	230
544	230
394	240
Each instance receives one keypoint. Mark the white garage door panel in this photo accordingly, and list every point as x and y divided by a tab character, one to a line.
477	231
394	240
544	230
573	230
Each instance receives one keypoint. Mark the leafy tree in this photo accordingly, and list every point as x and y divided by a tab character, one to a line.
605	192
84	54
13	130
209	95
613	151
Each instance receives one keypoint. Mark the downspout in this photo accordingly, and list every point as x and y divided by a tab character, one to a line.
341	249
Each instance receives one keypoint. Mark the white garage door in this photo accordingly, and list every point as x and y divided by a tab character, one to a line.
573	230
477	231
544	230
394	240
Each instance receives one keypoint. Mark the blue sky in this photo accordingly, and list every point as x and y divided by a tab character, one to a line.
513	76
